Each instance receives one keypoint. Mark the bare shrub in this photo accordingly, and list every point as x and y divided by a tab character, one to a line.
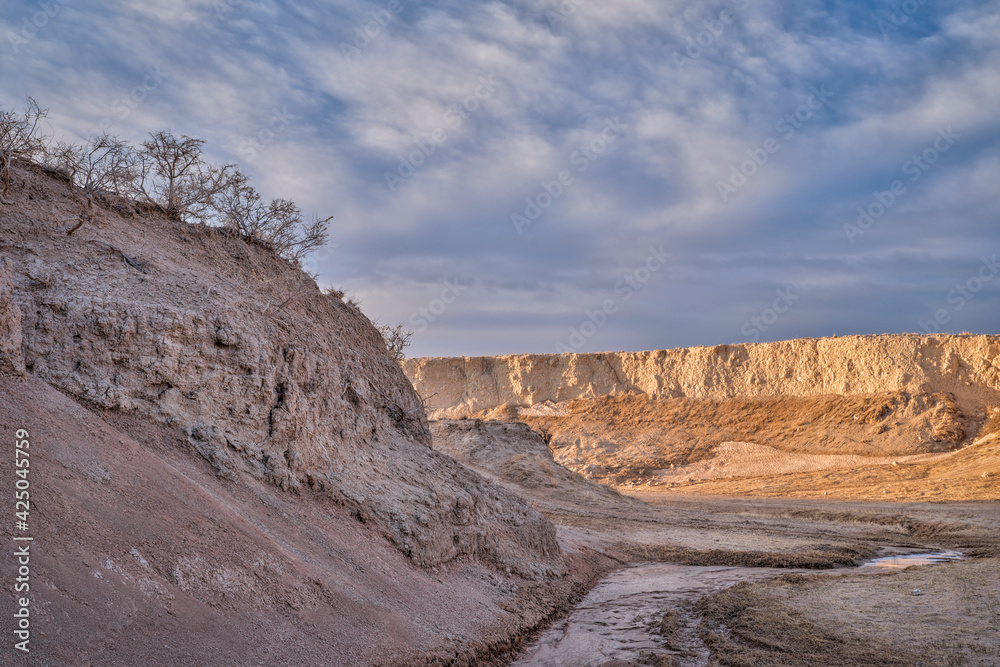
175	177
167	173
277	224
20	138
105	165
397	339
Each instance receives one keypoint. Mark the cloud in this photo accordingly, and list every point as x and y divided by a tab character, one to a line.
381	118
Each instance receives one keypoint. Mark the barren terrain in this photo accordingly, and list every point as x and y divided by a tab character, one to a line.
910	420
229	468
731	478
683	613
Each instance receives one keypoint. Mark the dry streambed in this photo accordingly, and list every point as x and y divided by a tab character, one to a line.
653	613
622	617
710	596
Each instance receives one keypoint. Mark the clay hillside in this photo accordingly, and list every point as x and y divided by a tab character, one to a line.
880	417
228	468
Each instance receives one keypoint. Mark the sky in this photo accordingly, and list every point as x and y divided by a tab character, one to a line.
574	175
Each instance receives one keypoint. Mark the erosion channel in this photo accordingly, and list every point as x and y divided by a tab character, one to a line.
648	613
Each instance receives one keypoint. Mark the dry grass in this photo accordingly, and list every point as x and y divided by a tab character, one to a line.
627	440
686	429
669	625
991	426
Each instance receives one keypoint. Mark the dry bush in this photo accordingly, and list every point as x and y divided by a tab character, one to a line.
20	138
277	225
992	425
167	173
105	165
341	295
176	179
820	557
397	339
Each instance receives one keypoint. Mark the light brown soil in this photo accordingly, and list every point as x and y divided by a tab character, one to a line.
965	366
894	447
635	440
835	418
860	619
971	473
704	529
228	468
237	473
731	476
251	365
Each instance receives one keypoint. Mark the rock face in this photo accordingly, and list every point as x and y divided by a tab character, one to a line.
11	357
262	373
664	418
967	367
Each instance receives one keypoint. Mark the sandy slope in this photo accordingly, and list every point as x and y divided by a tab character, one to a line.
846	619
971	473
143	556
241	354
746	459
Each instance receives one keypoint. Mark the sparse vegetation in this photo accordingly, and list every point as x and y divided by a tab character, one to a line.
168	173
668	626
105	165
992	425
857	619
175	177
277	225
397	339
20	138
745	626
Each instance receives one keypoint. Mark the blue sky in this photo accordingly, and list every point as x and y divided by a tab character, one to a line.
571	175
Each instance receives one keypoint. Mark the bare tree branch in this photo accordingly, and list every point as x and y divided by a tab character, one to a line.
106	165
277	225
19	138
397	339
176	179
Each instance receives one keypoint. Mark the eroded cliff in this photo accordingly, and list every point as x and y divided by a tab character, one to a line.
239	351
676	418
967	367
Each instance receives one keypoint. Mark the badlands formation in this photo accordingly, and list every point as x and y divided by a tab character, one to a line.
734	459
229	468
803	417
739	458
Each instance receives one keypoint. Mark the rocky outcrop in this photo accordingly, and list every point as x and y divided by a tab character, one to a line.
262	373
966	366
